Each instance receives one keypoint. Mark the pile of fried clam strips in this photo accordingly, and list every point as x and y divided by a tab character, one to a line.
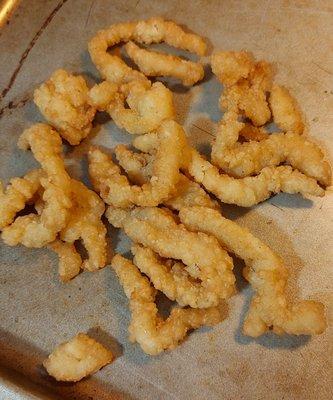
165	195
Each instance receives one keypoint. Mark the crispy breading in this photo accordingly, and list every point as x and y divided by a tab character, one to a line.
267	274
244	159
112	67
17	194
246	84
204	259
157	30
138	167
231	66
63	100
85	223
38	230
70	261
149	106
154	30
147	328
73	360
244	192
285	110
153	63
116	190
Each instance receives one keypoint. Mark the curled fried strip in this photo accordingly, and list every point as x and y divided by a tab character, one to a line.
250	132
204	259
147	328
157	30
102	94
266	273
247	83
34	230
81	356
285	110
112	67
230	66
17	194
173	281
251	190
115	188
69	260
138	167
243	159
85	223
63	100
149	107
244	192
154	30
153	63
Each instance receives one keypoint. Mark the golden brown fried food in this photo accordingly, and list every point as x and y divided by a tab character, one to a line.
247	83
147	328
157	30
154	30
33	230
149	107
115	188
17	194
231	66
244	159
266	273
173	280
153	63
250	132
285	110
70	261
112	67
204	259
85	223
102	94
81	356
63	100
244	192
138	167
251	190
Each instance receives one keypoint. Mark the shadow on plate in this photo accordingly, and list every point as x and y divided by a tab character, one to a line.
21	365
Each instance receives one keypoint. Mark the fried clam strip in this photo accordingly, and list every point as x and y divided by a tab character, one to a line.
172	280
38	230
244	192
265	271
244	159
85	223
17	194
203	257
285	110
153	63
149	105
115	188
70	261
154	30
138	167
246	84
250	132
112	67
63	100
73	360
147	328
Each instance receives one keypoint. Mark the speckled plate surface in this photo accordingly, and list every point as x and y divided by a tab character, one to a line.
37	312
